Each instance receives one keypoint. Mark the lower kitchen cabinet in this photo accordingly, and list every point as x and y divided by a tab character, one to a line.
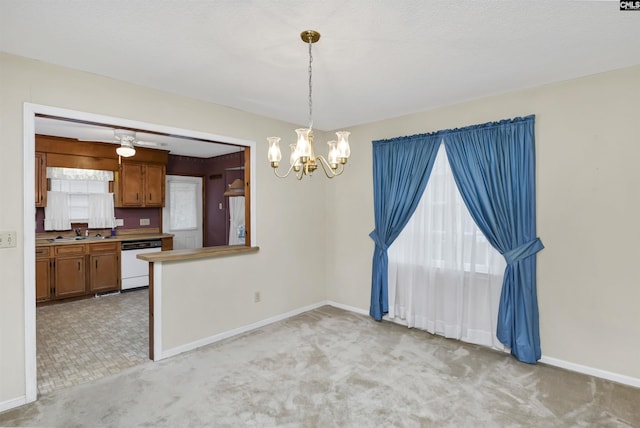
64	271
104	265
43	274
69	276
69	271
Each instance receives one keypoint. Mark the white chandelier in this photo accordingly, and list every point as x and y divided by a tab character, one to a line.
303	159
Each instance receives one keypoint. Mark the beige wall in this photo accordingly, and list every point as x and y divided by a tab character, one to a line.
588	149
588	188
284	270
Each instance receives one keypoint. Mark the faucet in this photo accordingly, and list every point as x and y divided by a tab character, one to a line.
77	231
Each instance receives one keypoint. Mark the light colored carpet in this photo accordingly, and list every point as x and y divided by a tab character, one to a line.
329	367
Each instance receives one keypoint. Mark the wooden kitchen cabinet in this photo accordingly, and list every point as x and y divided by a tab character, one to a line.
167	243
154	185
131	185
43	274
74	270
140	185
104	265
41	179
69	271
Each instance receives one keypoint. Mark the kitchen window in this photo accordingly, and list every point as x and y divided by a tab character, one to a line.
79	195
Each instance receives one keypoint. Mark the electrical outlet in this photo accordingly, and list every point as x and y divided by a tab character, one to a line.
144	222
7	239
119	222
256	297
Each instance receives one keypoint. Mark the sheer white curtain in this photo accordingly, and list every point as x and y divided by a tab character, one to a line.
101	211
56	213
236	220
444	277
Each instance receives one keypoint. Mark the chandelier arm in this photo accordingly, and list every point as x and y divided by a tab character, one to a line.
328	171
275	171
339	170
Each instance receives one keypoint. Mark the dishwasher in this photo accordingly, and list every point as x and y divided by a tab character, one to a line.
135	272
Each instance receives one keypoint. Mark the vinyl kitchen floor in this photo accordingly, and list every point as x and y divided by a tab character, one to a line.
89	339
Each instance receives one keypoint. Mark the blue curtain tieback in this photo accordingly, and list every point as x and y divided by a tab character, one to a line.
523	251
373	235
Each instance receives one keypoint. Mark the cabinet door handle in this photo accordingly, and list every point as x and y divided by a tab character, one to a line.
150	198
96	264
137	198
78	266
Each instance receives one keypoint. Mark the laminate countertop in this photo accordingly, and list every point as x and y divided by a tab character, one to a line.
46	242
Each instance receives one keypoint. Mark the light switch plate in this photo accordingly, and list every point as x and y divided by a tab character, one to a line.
144	222
7	239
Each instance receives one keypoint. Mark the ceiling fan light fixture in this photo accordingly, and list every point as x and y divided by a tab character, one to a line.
126	139
126	150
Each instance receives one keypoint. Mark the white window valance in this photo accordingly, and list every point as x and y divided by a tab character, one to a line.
79	174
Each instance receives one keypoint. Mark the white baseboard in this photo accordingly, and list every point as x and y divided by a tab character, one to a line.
224	335
603	374
14	402
346	307
616	377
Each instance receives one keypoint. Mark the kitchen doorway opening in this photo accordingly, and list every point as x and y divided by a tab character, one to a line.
31	113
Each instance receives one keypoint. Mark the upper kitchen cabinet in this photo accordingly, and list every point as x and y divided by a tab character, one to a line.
140	185
41	179
138	181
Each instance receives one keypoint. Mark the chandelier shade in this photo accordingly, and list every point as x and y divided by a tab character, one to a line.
303	160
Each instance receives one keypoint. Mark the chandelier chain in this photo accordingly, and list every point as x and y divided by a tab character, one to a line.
310	86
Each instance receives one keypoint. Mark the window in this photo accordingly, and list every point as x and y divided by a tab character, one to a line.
445	228
444	276
183	198
80	196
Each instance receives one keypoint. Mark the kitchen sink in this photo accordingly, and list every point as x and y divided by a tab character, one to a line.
75	238
78	238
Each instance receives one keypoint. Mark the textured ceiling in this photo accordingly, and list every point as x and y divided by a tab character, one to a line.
376	58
